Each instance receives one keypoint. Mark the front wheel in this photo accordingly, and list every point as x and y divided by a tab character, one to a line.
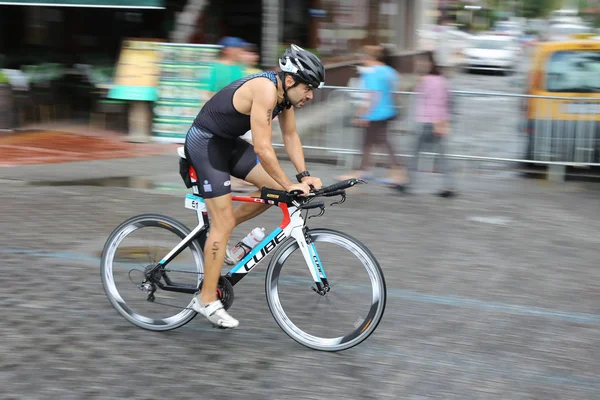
343	317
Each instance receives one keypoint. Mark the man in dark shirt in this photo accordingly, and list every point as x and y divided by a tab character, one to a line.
216	151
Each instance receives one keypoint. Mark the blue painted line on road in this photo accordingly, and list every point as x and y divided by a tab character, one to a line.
594	384
52	254
487	305
455	301
452	301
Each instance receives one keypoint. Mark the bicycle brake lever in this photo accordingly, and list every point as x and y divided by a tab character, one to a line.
341	201
318	215
322	207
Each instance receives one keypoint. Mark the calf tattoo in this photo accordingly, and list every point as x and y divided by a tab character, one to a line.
215	248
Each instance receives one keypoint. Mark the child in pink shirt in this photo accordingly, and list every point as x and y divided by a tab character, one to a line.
432	114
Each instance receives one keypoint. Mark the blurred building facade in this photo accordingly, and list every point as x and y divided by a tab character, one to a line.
65	51
333	28
66	33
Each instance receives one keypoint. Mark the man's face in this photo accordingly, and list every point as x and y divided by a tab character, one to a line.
300	94
234	54
239	53
250	57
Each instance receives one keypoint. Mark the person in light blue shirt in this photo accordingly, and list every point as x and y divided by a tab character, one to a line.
381	80
379	108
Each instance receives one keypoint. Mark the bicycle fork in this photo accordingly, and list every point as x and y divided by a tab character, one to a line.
309	251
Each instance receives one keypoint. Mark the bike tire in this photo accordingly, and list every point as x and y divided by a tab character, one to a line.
106	270
379	294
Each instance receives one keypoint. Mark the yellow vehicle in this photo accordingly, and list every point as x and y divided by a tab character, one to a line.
566	128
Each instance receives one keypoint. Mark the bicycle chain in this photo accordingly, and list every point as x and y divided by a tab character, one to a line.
183	272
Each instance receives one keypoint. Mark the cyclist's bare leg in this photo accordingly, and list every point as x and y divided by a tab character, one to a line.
259	178
222	223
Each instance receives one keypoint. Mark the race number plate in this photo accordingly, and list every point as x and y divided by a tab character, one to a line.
194	203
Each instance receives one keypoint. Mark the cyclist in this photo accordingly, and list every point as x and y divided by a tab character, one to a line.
215	150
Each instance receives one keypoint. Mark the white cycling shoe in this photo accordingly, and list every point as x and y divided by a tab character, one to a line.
215	313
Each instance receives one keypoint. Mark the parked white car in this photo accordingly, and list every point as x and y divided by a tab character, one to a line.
492	53
509	28
447	42
429	36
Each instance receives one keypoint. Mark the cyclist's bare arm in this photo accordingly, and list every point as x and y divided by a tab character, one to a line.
291	139
261	121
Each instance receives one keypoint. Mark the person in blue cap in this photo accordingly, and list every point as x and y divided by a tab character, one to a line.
229	66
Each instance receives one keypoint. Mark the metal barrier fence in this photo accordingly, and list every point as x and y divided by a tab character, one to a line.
488	130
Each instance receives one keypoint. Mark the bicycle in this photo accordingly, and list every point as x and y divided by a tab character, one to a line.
160	289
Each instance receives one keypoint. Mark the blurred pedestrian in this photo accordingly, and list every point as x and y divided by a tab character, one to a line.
432	118
250	58
375	115
229	66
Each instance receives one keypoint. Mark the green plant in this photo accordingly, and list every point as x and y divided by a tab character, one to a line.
538	8
3	79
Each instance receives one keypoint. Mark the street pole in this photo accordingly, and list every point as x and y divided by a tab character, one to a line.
398	26
373	24
271	26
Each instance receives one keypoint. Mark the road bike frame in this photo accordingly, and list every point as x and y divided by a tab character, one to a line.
292	225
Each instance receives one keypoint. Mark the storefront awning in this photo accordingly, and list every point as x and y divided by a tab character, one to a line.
131	4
